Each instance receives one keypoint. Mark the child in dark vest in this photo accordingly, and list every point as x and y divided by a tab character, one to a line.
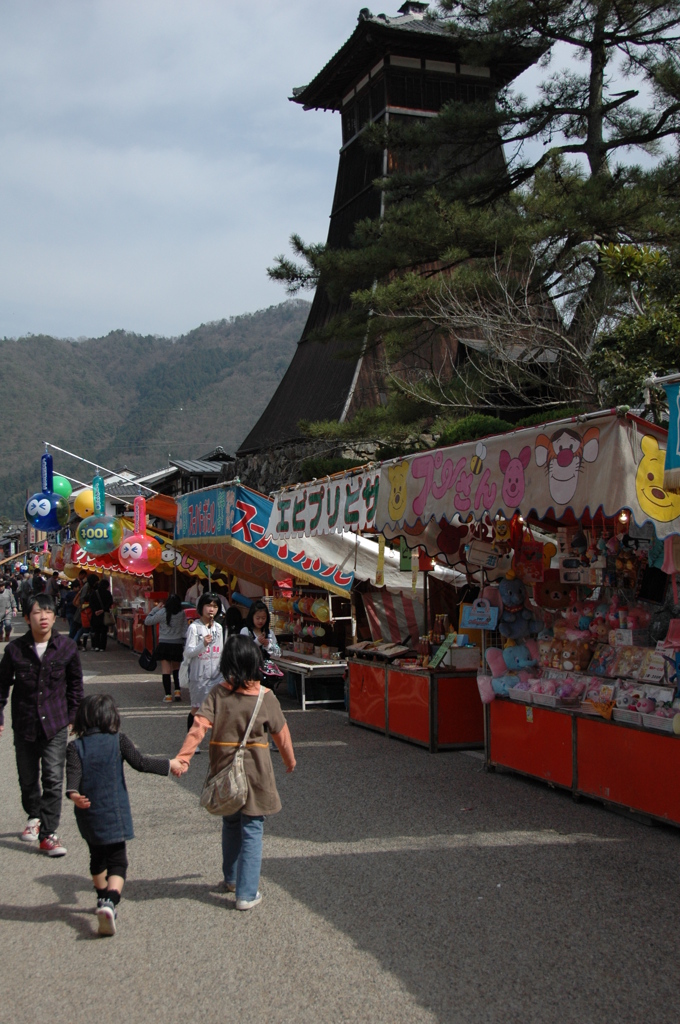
95	782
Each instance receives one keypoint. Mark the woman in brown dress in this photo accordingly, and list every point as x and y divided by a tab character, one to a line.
227	710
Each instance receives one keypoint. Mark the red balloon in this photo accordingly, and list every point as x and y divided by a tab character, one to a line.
139	553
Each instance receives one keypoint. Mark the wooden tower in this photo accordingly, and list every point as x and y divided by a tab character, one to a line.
390	68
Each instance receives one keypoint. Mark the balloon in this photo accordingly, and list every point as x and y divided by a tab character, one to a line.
60	485
139	552
320	610
46	510
99	535
71	571
84	504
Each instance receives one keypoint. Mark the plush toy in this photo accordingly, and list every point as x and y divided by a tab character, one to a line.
551	594
508	667
517	621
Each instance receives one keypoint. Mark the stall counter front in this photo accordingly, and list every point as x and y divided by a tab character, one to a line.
615	762
438	709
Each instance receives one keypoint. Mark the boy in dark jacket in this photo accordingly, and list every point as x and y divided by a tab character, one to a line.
43	669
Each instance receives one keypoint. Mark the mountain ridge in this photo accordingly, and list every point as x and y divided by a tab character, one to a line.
133	400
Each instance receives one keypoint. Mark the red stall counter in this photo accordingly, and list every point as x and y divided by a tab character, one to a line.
618	763
438	709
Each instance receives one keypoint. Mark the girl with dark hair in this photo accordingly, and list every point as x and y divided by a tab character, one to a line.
95	782
258	629
227	710
172	632
203	651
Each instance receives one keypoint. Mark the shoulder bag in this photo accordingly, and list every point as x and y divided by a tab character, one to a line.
227	792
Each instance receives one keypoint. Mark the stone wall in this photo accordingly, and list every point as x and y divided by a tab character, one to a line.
276	467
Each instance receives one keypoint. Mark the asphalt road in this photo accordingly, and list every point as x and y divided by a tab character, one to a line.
398	887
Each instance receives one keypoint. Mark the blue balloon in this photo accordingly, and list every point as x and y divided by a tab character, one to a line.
47	511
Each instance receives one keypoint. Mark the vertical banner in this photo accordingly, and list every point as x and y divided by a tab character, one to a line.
380	567
671	473
405	560
415	569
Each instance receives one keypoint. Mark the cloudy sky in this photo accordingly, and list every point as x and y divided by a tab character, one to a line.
152	165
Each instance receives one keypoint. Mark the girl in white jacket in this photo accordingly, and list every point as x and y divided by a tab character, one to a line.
202	651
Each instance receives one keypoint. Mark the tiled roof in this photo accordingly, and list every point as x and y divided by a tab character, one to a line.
197	467
415	34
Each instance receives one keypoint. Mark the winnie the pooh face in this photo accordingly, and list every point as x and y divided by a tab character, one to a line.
397	500
654	501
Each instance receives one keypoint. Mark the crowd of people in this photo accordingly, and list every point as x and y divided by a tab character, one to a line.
57	728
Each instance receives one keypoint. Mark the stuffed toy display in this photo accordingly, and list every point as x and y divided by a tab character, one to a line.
517	620
509	666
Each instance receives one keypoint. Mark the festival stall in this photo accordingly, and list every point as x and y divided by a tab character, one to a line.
397	684
308	584
574	525
228	526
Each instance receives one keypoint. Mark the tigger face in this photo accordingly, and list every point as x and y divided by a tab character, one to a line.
563	455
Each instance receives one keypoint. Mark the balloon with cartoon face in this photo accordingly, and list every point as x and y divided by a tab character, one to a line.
46	510
83	505
139	552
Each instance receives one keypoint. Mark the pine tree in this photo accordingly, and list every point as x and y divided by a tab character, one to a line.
545	214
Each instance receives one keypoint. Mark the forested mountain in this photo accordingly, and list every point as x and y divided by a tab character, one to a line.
125	399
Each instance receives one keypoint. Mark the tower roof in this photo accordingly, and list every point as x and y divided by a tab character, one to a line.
415	32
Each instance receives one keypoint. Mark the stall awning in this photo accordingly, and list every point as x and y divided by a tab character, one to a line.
601	463
228	526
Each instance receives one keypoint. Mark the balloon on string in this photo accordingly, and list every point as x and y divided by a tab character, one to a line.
139	552
83	505
71	571
60	485
47	510
99	534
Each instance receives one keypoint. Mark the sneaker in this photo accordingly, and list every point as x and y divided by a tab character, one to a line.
31	833
249	904
167	699
106	916
51	846
178	694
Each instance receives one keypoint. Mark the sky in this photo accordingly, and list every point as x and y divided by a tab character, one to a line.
152	165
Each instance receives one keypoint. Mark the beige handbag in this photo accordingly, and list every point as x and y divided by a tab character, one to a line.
227	792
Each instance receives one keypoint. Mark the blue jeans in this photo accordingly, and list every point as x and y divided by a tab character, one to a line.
242	853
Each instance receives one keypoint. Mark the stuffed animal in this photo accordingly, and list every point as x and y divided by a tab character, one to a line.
516	621
508	667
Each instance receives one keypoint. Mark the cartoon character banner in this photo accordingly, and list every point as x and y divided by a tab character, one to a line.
333	505
230	527
605	461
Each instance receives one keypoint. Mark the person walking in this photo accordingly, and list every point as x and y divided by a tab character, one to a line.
8	609
202	651
43	669
24	591
101	600
227	710
172	634
95	782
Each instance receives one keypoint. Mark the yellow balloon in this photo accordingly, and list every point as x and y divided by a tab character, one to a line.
84	504
71	571
320	611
